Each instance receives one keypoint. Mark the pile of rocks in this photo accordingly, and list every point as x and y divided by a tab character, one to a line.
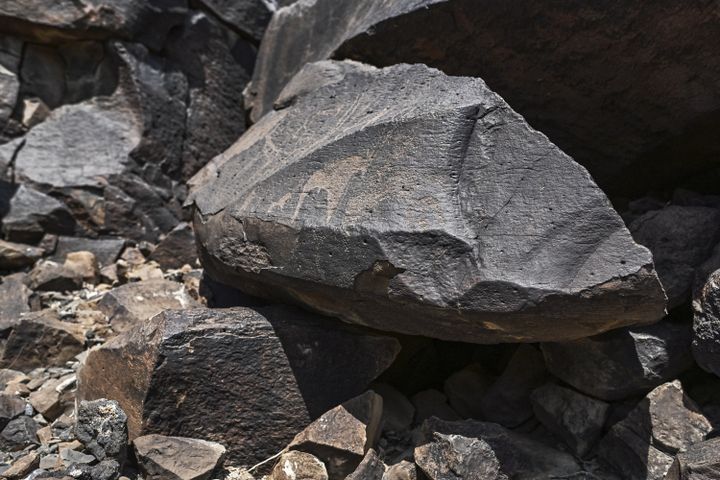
365	240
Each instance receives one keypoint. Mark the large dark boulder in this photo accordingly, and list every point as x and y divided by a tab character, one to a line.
411	201
629	89
248	379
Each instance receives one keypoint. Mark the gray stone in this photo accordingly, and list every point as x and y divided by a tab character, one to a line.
274	362
370	468
618	103
18	434
32	214
51	276
491	449
247	16
294	465
176	249
699	462
319	218
572	416
106	250
342	437
137	302
642	446
42	340
706	325
14	301
10	53
102	427
432	403
622	363
11	406
177	458
680	239
17	255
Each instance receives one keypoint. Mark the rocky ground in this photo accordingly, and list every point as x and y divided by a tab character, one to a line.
365	240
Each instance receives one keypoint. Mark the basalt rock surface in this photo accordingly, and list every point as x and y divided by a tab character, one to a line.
338	200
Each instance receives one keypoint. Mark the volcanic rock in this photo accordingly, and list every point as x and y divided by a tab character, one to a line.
531	249
570	415
102	427
138	302
40	340
341	437
16	255
32	214
489	449
370	468
294	465
11	406
176	249
642	445
398	412
618	103
680	239
622	363
18	434
14	301
177	458
699	462
10	57
197	365
706	326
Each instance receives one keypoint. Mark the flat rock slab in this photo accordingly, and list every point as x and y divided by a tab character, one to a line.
622	363
464	220
610	84
177	458
275	369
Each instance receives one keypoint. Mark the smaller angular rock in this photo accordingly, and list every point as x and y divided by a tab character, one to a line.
50	276
680	238
706	325
41	340
401	471
177	458
665	423
22	466
398	412
570	415
102	427
248	16
370	468
625	362
18	434
84	265
106	250
46	400
295	465
17	255
342	436
458	457
137	302
176	249
700	462
14	301
32	214
11	406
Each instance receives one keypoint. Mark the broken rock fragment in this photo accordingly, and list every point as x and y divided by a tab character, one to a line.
14	300
295	465
177	458
371	468
535	250
177	248
17	255
706	325
273	362
624	362
102	427
32	214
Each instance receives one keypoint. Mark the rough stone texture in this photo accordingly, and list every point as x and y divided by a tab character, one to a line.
22	466
643	444
17	255
176	249
41	340
106	250
135	303
680	239
706	326
32	214
370	468
18	434
622	363
471	443
275	368
699	462
613	85
11	406
247	16
401	471
84	264
288	212
102	427
577	419
177	458
51	276
341	437
294	465
10	54
14	301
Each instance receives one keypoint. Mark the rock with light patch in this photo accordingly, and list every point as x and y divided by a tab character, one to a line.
177	458
294	465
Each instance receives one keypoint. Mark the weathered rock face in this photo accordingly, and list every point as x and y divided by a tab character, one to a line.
164	458
469	446
32	214
276	369
505	239
102	427
247	16
666	422
608	89
706	326
294	465
699	462
622	363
